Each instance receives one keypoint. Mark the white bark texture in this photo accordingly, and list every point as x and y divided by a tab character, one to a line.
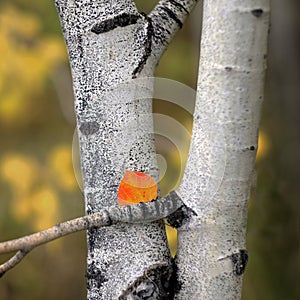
111	45
211	253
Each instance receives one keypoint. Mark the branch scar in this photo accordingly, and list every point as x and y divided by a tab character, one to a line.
121	20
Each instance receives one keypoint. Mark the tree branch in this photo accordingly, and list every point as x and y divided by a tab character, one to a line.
139	213
13	261
167	18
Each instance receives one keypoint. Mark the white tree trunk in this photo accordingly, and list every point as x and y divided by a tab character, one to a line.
110	46
216	185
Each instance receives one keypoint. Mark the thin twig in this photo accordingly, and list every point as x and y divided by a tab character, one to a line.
33	240
25	244
13	261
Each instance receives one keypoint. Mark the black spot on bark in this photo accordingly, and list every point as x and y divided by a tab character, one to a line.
257	12
94	276
239	261
172	15
228	69
121	20
88	128
180	216
82	104
250	148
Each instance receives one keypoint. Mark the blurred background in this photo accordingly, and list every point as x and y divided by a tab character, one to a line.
37	184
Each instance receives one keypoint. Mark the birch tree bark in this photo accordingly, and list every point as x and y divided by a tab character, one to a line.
211	253
111	46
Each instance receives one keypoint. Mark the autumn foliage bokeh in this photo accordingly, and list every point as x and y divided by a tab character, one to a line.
37	183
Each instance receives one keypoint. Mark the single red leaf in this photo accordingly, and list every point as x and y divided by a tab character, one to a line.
136	187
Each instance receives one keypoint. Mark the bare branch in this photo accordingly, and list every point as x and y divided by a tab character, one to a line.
12	262
25	244
28	242
139	213
167	18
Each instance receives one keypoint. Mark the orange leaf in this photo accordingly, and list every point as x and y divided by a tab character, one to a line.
136	187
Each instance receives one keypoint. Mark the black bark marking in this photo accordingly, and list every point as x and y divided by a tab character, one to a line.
82	104
147	46
239	261
175	283
154	284
118	21
257	12
157	205
94	276
180	216
250	148
88	128
92	232
130	213
172	15
175	3
228	69
143	209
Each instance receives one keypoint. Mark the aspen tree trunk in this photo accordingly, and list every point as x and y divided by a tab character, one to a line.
211	253
111	46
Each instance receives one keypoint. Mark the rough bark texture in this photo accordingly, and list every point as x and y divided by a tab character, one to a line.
211	253
110	46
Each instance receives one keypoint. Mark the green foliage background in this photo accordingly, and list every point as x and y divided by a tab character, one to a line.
37	183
